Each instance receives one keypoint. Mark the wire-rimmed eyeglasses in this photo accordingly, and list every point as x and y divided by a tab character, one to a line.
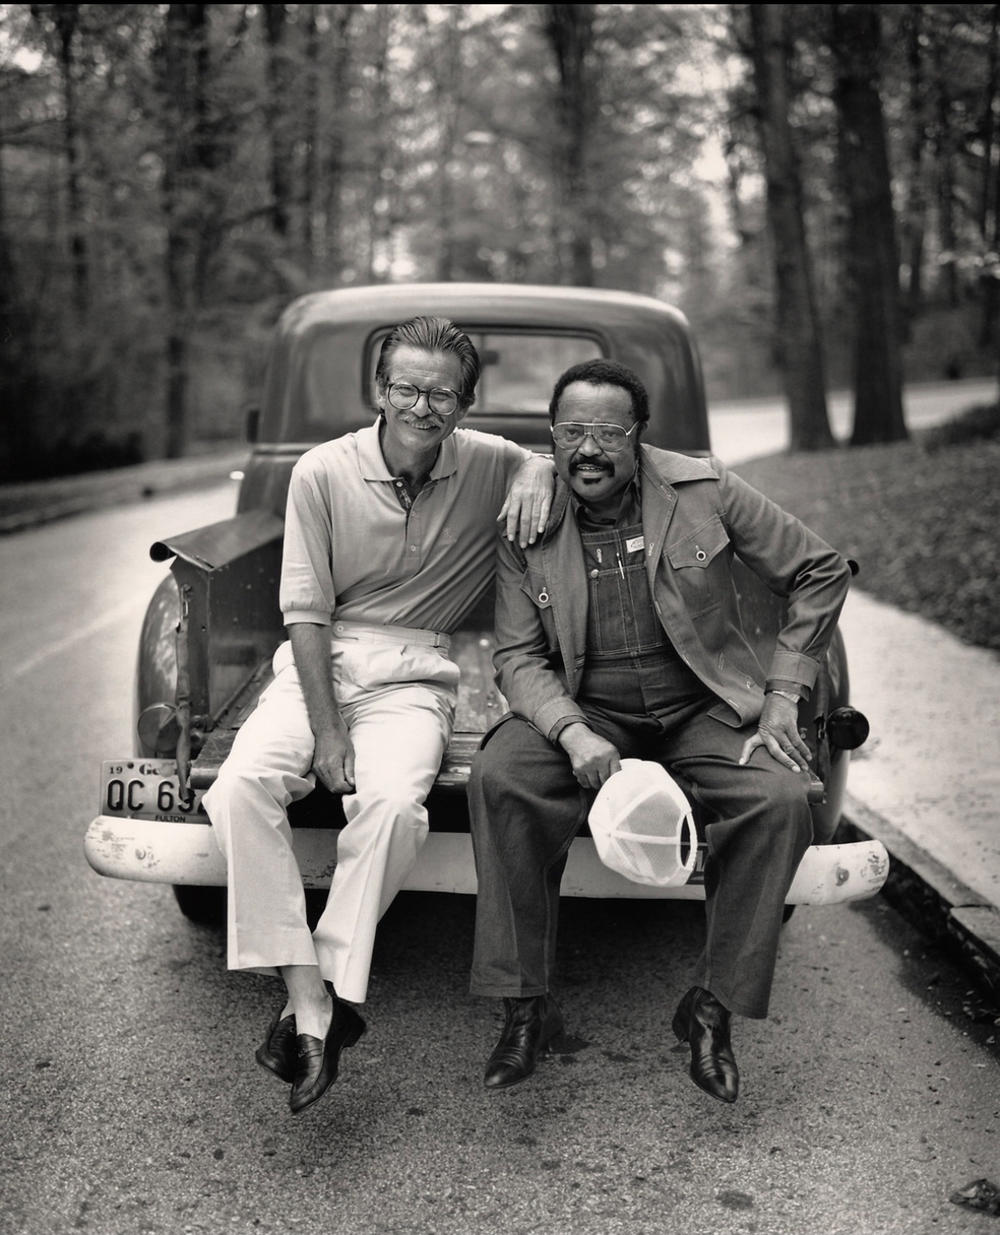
609	437
440	399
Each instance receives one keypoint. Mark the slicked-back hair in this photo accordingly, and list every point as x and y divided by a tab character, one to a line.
604	373
432	334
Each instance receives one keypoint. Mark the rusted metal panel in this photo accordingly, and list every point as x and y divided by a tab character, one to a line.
479	706
217	544
227	578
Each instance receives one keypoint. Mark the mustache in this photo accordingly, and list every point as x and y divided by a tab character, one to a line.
433	421
576	464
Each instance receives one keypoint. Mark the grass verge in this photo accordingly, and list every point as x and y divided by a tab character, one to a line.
922	519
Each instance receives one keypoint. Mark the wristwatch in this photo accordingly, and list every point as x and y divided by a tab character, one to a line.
785	694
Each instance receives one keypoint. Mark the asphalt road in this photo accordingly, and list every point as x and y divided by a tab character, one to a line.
132	1102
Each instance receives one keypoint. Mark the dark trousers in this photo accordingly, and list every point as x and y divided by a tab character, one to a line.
526	807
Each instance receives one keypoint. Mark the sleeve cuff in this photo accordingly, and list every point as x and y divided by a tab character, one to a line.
313	617
794	668
554	716
560	725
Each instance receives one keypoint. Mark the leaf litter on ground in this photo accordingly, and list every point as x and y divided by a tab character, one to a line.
921	522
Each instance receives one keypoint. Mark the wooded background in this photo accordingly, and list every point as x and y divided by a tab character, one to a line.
815	186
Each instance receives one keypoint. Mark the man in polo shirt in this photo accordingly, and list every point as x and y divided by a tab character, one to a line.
389	536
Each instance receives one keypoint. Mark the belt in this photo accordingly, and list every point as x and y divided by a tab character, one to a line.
394	634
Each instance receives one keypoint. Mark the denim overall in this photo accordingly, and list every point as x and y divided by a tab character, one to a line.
632	673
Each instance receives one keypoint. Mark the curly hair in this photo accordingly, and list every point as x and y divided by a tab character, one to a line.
600	373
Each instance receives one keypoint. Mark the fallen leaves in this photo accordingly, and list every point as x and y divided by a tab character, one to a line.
922	524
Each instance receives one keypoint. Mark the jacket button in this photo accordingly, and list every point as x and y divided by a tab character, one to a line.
700	555
543	598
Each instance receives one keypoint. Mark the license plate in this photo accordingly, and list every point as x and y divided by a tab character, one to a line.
147	789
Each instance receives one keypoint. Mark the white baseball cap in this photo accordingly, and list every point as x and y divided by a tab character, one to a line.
642	825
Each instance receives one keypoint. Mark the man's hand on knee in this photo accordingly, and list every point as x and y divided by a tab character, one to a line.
592	757
333	760
778	731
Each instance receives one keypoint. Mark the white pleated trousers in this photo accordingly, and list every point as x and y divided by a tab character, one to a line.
398	700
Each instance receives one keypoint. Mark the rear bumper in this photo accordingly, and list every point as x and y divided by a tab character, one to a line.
186	853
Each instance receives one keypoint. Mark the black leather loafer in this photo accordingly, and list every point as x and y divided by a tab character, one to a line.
703	1022
279	1050
530	1026
319	1058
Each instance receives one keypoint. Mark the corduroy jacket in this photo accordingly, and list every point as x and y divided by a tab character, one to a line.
696	516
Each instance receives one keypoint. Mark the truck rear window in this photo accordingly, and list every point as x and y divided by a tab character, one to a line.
519	369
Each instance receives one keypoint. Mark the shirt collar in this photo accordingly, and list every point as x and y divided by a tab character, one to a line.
373	465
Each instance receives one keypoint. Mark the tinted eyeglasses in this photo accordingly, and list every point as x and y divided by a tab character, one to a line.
610	438
440	399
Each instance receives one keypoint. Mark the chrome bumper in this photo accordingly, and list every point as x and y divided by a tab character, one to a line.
187	853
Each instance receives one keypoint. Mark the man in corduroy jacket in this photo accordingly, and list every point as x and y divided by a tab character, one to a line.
619	635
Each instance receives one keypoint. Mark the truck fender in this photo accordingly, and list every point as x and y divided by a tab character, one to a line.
155	692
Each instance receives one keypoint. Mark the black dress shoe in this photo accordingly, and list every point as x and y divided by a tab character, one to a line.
318	1058
530	1026
279	1050
703	1022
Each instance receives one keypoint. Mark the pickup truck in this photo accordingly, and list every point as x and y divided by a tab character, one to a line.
213	622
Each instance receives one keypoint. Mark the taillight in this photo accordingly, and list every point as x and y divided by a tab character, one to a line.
847	728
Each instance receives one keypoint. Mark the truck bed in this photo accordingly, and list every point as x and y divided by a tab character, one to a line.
480	705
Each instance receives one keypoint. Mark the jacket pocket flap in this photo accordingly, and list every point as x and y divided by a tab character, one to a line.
534	587
700	547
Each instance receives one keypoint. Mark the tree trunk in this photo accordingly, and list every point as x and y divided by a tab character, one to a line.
379	182
206	204
989	214
175	344
183	32
799	343
915	211
310	142
66	18
336	141
19	372
872	245
570	31
448	80
278	90
945	177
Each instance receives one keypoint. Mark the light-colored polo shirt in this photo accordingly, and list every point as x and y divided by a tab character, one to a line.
351	548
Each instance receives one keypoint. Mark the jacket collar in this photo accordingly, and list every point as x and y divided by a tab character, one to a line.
660	470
